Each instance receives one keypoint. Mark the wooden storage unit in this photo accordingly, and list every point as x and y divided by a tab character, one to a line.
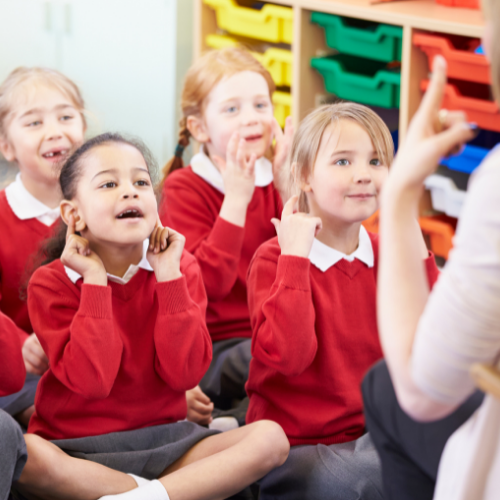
308	41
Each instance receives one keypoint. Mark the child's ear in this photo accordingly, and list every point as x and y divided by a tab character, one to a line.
6	149
303	184
197	128
68	209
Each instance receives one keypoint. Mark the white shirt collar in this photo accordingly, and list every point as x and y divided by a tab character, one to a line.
131	271
324	257
26	206
202	165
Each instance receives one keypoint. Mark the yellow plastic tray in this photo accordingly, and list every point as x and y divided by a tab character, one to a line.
272	23
282	106
277	61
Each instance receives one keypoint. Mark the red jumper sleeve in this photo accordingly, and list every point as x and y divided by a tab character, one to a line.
12	370
78	336
215	243
183	344
282	313
431	270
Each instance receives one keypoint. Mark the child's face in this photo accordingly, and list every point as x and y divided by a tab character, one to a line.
240	103
43	128
347	176
115	202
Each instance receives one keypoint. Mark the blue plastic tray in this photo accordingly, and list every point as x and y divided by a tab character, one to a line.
467	161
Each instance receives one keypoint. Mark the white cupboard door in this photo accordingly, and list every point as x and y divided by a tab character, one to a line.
28	34
121	53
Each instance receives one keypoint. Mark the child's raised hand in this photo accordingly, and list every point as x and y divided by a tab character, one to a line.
296	230
78	256
281	150
165	251
238	171
35	360
199	406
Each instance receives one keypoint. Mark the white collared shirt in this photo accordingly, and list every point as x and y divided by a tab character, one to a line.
130	273
26	206
324	257
202	165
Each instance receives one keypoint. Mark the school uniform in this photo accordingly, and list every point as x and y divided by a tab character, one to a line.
315	336
12	374
25	222
121	358
192	199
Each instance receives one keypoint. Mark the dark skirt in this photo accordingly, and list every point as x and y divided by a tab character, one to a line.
145	452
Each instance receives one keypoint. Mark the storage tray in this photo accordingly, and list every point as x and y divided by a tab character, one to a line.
277	61
468	4
481	111
440	234
381	42
272	23
459	52
361	80
445	195
467	161
282	106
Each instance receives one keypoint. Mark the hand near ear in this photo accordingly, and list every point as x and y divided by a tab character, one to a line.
78	256
296	230
165	252
281	151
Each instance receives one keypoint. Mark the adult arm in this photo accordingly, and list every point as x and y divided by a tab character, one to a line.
403	290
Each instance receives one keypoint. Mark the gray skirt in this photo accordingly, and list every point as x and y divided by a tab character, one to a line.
145	452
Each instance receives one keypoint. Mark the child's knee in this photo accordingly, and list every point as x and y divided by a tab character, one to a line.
272	442
43	460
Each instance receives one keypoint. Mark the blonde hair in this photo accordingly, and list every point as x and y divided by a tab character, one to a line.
201	78
491	9
307	140
20	77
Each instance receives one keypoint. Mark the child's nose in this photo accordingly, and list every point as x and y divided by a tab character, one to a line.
130	195
362	175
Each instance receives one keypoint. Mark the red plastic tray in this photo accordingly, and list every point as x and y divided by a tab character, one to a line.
463	63
479	110
468	4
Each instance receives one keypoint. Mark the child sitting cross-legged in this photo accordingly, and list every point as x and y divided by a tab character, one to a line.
312	294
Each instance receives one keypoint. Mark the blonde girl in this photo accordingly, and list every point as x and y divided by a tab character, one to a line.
41	122
312	293
224	200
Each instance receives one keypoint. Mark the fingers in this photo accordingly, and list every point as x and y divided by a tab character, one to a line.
250	165
289	128
71	227
220	163
276	130
451	139
201	396
233	148
276	223
319	225
289	207
433	98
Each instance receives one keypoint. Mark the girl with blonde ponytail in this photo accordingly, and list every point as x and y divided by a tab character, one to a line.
223	203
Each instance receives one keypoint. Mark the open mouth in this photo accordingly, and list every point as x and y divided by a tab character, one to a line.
58	154
251	138
130	213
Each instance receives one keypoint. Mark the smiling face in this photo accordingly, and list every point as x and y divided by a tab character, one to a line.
42	129
348	174
115	204
239	103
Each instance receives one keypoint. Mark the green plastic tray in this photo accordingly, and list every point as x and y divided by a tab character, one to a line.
361	80
381	42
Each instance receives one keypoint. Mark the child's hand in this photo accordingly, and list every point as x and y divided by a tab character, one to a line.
296	231
238	171
199	406
165	251
78	256
35	360
281	150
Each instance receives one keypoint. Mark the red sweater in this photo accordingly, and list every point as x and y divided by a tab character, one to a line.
314	337
12	370
191	206
121	356
20	240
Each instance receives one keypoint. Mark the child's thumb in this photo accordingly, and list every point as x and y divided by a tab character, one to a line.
276	224
219	163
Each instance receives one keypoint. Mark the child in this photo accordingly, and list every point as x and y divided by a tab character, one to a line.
41	121
312	296
12	375
224	200
122	320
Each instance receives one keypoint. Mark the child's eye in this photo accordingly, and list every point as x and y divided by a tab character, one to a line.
109	185
142	183
231	109
343	162
375	162
66	117
34	124
261	105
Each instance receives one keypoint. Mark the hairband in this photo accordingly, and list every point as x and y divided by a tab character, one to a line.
179	150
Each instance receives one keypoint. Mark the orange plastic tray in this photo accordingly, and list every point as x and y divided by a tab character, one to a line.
481	111
463	63
371	224
468	4
440	234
